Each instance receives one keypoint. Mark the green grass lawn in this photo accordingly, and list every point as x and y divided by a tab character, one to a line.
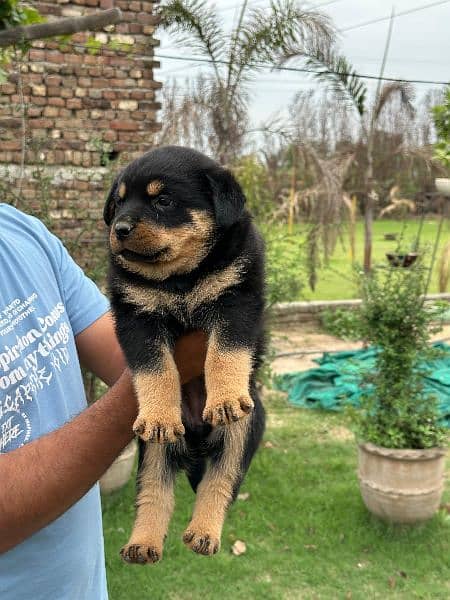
335	281
307	532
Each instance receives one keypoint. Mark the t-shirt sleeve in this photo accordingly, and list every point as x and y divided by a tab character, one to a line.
83	300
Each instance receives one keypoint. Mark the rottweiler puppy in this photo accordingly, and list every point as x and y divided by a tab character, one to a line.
185	256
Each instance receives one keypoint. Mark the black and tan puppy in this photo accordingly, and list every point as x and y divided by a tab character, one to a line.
185	256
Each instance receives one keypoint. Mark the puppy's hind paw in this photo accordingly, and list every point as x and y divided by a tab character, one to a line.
140	554
227	411
201	543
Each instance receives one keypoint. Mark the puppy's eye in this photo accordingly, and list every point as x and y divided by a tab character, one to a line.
163	202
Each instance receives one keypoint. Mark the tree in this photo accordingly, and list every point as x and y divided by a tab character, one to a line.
260	38
20	24
333	68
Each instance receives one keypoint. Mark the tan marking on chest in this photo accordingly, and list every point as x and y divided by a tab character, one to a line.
207	290
214	284
148	299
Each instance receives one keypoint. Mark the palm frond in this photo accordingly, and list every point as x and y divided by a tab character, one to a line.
267	36
398	205
196	25
399	89
393	192
335	70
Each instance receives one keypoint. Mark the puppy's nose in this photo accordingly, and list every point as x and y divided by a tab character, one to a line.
123	229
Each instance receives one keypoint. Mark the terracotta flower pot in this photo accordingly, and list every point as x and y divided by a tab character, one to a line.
119	472
401	486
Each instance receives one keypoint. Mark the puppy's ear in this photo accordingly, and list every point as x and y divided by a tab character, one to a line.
228	197
110	204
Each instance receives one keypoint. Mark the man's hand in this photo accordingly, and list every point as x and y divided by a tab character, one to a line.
190	354
100	352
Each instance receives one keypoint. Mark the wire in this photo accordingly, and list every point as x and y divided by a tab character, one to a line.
325	4
399	14
195	59
239	4
304	70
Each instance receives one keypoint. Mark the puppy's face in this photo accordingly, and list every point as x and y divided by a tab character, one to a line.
165	210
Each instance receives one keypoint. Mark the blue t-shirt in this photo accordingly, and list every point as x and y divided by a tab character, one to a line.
46	300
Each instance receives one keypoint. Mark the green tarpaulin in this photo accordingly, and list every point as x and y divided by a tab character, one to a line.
336	382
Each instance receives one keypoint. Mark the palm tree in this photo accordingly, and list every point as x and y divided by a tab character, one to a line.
334	69
261	37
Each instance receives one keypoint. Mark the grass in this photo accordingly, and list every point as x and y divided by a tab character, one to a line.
335	281
307	532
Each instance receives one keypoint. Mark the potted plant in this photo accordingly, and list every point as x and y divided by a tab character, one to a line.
401	454
441	118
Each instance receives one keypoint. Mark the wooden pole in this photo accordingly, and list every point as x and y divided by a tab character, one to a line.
370	197
292	191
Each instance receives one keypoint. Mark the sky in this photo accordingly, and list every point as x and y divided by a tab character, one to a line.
419	49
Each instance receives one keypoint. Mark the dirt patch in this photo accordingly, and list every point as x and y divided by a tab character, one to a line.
341	434
311	342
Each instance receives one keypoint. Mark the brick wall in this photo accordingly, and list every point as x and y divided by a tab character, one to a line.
86	113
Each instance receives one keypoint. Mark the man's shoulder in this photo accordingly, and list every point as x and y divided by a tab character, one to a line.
8	210
24	228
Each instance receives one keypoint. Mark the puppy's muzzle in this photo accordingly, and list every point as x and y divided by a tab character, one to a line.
122	229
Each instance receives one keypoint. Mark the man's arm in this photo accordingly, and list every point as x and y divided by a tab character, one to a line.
42	479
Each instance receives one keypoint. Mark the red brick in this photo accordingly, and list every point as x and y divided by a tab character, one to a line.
7	88
56	102
125	125
110	136
34	111
53	80
51	111
40	123
74	103
39	100
53	91
11	145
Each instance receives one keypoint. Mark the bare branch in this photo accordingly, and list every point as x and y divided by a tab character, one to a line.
68	26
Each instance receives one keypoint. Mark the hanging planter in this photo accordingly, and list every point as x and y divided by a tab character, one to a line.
402	259
443	186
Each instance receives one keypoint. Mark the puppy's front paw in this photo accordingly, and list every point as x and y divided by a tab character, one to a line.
201	542
140	554
226	411
158	430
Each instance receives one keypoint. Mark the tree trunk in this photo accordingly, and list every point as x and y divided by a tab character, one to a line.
368	213
368	227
